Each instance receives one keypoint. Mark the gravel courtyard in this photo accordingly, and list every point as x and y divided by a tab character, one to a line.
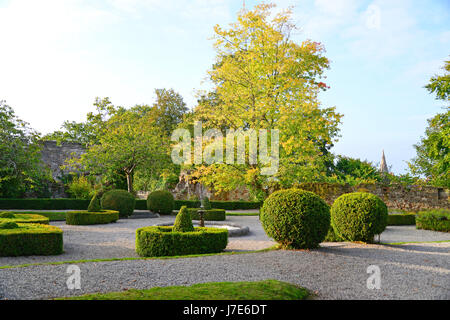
334	271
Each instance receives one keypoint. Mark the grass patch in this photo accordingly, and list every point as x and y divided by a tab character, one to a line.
53	216
245	290
400	243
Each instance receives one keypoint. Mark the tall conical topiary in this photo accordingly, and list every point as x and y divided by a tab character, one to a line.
183	221
94	205
206	204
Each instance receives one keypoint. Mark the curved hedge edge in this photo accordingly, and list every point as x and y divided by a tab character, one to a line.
31	239
89	218
433	220
27	218
156	241
209	215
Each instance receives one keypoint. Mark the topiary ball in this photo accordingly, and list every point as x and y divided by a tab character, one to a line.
161	202
183	221
119	200
7	215
295	218
358	216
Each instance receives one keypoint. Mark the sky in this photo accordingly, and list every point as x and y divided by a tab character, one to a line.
57	56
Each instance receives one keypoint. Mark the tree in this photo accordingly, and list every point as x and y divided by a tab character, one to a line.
355	171
21	169
433	157
262	79
170	108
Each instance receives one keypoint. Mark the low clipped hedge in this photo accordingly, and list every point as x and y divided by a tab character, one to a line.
86	218
27	239
161	202
209	215
436	220
226	205
119	200
358	216
44	204
24	218
157	241
295	218
403	219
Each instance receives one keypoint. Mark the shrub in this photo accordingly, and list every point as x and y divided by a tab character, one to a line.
8	225
295	218
183	221
332	236
87	218
6	214
31	239
401	219
25	218
161	202
206	204
95	205
436	220
119	200
158	241
44	204
358	216
80	188
209	215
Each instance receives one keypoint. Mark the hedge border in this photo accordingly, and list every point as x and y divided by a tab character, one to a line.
26	218
157	241
82	218
433	220
403	219
209	215
31	239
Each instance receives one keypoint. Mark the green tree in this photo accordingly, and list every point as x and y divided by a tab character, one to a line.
264	80
440	84
170	109
21	169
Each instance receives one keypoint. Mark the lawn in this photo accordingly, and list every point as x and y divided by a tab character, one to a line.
256	290
53	216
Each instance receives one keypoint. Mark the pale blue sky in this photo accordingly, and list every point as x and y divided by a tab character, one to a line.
57	55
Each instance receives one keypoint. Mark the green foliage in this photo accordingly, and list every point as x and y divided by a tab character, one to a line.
161	202
31	239
440	84
44	204
21	169
355	171
433	151
80	188
23	218
88	218
358	216
206	204
404	219
95	205
436	220
8	225
208	215
183	221
295	218
162	241
119	200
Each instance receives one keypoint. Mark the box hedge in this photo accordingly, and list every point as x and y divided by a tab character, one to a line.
209	215
23	218
161	202
31	239
436	220
156	241
403	219
84	217
119	200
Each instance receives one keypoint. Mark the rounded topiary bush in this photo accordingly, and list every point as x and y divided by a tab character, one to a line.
17	239
295	218
87	218
161	202
358	216
119	200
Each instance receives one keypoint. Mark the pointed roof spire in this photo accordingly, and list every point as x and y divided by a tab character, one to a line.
383	165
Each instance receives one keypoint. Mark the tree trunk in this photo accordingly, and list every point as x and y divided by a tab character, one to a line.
130	181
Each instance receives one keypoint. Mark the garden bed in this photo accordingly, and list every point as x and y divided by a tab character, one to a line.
89	218
23	218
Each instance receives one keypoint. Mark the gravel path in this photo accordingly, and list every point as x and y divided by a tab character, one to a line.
335	271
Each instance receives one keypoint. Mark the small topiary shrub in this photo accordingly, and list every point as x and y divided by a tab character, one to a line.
161	202
358	216
295	218
206	204
209	215
183	221
30	239
6	215
436	220
119	200
25	218
95	205
159	241
88	218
